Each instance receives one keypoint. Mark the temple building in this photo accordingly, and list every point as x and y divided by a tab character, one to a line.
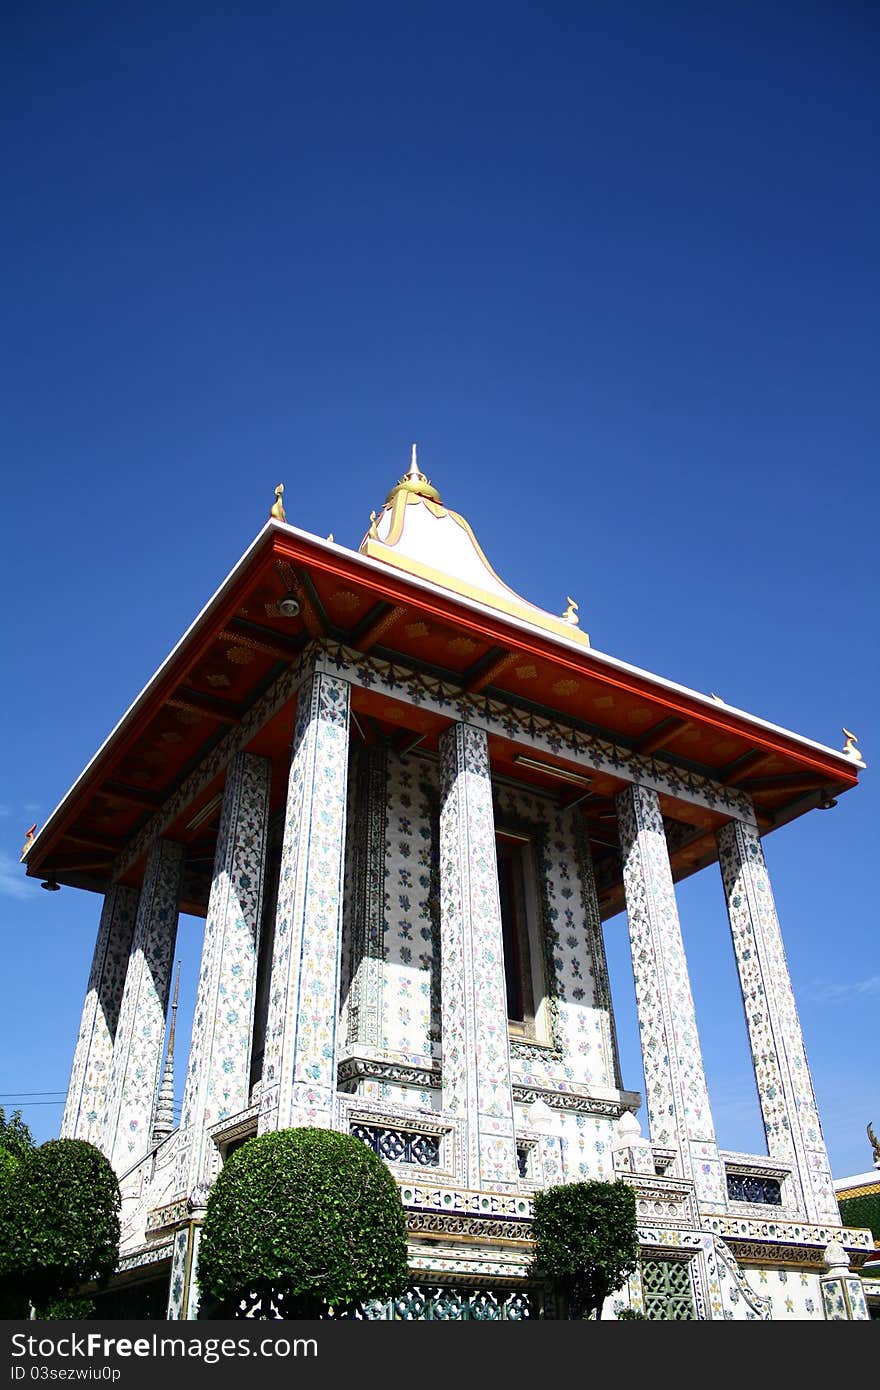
404	800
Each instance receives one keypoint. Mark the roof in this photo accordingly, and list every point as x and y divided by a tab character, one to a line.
419	592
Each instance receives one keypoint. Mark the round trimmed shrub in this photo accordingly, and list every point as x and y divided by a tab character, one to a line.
586	1242
59	1224
305	1219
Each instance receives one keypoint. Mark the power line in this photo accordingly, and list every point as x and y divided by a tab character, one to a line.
15	1095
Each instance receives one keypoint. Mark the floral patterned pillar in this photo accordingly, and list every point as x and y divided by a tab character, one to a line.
299	1068
476	1049
87	1092
220	1049
140	1034
675	1082
782	1074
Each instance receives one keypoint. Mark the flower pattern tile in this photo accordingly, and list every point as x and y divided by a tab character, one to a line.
299	1071
140	1034
87	1091
675	1081
476	1059
220	1048
785	1087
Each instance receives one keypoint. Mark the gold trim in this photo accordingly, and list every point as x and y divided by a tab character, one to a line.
376	550
865	1191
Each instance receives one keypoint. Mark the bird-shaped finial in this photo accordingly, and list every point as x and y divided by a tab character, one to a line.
28	839
571	613
875	1145
849	749
278	511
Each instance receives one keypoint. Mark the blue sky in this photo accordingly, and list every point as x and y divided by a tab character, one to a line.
614	267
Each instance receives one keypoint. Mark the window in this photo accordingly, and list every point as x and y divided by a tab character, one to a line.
520	927
666	1288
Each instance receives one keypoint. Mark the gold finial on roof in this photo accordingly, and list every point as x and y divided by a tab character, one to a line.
571	613
414	482
278	511
849	749
28	839
875	1145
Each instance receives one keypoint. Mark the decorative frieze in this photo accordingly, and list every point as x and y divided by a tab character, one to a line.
532	729
90	1074
675	1081
785	1088
140	1034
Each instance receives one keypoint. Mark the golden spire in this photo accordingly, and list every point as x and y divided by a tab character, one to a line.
414	482
278	511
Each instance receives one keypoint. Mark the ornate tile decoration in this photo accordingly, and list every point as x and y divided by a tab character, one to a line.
675	1082
785	1087
476	1058
220	1047
137	1050
299	1070
531	729
87	1091
366	896
410	1015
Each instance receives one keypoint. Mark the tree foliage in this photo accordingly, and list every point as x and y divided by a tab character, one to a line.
59	1226
586	1242
307	1219
16	1141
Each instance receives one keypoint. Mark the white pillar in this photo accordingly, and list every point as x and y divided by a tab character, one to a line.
782	1074
218	1074
87	1092
675	1082
476	1048
140	1034
299	1067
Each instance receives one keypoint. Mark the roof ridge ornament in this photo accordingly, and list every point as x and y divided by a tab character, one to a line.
414	484
278	512
850	748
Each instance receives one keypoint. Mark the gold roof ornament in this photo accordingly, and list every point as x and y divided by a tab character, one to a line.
29	837
850	750
414	531
571	613
875	1145
414	482
278	512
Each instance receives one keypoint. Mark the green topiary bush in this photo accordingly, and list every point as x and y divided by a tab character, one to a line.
306	1219
586	1242
59	1225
